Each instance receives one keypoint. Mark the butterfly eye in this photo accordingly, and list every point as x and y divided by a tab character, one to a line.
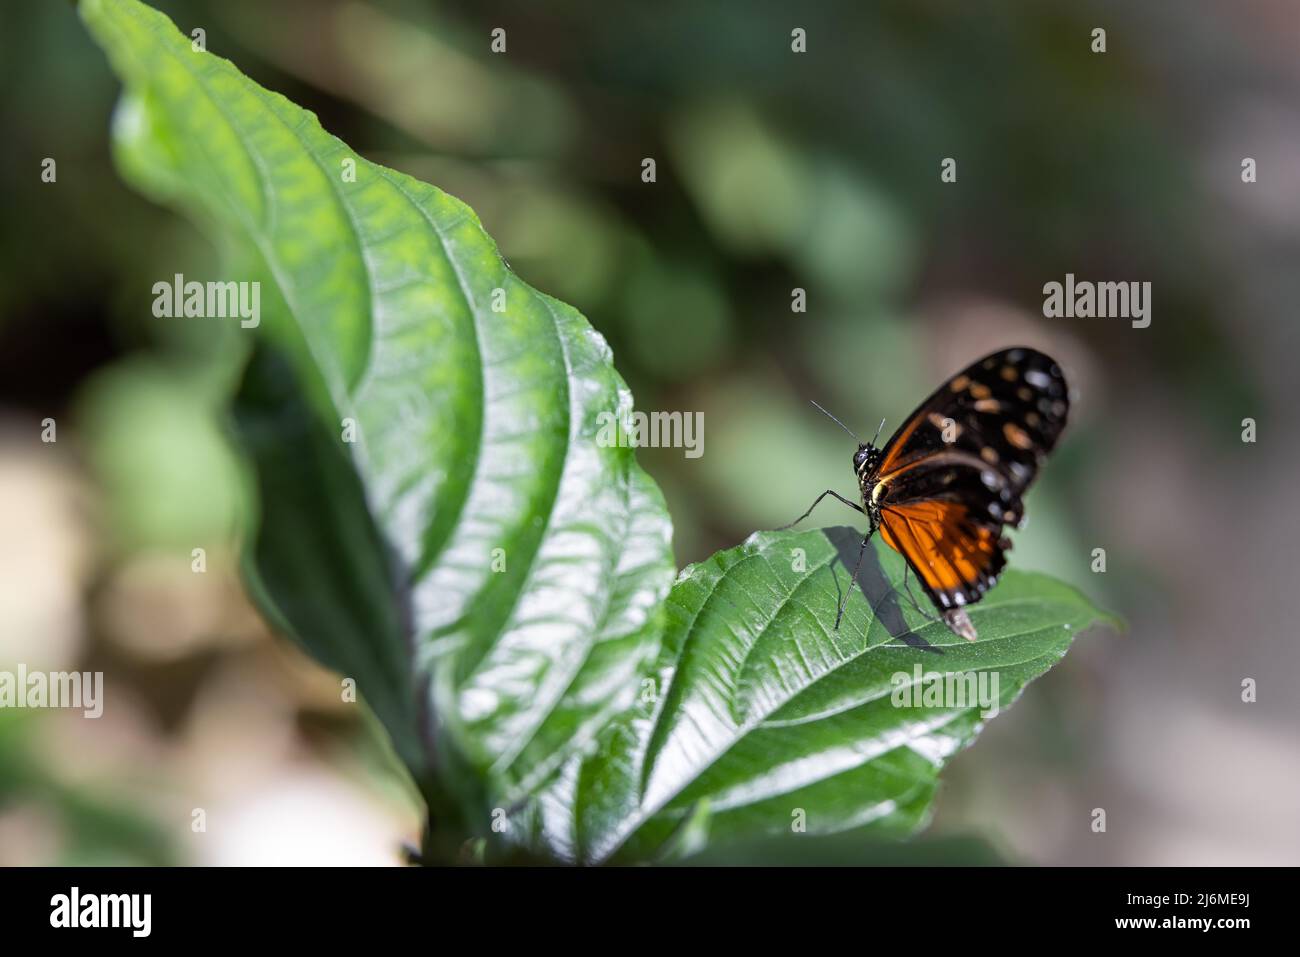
859	457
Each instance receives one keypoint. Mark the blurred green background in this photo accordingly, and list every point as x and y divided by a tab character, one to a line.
775	171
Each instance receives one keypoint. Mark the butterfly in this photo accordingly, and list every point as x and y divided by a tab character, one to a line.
952	478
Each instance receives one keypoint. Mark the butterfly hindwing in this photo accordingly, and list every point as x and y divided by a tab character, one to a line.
959	559
953	474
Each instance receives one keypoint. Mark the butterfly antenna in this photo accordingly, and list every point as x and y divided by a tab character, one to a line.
835	420
878	428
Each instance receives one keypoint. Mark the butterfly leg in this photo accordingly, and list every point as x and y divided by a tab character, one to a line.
857	567
837	495
907	590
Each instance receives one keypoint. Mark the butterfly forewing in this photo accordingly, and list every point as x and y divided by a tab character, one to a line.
953	474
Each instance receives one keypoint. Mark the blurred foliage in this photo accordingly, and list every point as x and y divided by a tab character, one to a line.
95	828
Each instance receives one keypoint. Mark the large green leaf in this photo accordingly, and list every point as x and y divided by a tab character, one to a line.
761	716
476	560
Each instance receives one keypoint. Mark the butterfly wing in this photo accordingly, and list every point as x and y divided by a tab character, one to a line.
956	557
953	474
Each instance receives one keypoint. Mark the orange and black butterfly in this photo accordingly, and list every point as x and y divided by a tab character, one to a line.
947	483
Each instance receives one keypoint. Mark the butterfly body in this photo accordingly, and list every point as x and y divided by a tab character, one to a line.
950	480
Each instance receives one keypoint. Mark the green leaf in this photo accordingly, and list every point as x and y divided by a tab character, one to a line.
487	571
763	715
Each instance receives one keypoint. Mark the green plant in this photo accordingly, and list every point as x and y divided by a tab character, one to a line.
440	523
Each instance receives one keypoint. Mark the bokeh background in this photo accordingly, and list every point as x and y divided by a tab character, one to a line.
775	170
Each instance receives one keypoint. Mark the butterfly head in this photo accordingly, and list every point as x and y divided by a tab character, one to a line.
866	458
